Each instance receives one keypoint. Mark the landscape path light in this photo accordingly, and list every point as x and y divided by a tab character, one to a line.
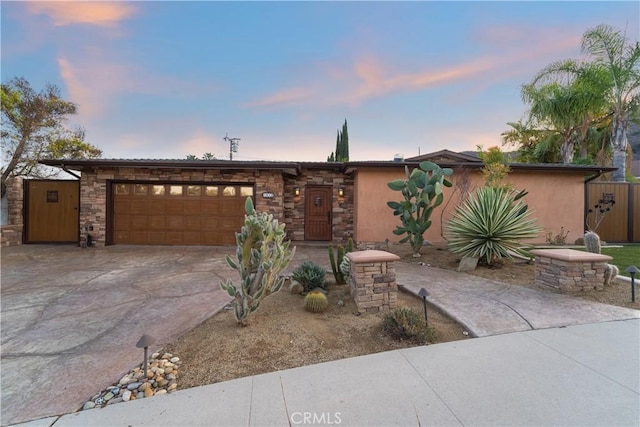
423	294
144	342
632	270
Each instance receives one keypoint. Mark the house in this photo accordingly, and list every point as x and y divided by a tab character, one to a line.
201	202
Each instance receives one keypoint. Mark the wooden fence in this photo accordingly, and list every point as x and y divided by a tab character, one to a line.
622	223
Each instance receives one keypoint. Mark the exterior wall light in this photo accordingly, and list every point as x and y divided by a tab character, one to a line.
296	191
341	192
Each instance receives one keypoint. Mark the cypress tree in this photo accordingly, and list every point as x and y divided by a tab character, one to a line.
342	145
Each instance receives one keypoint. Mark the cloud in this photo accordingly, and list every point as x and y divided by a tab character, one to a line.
286	97
369	77
92	85
95	78
104	14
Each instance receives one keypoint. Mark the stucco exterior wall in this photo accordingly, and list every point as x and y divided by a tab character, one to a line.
556	198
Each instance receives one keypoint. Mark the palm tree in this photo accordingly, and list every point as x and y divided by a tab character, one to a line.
612	69
568	108
622	62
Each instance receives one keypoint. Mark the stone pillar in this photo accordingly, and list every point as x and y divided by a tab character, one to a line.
570	270
11	233
372	280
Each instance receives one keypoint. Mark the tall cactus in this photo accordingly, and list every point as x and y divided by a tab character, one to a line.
337	261
421	193
261	255
592	242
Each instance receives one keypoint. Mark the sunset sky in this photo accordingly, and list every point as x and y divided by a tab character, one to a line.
156	79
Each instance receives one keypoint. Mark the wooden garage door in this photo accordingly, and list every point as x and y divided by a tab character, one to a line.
178	214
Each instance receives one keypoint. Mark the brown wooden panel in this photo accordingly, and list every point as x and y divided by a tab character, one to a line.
186	219
614	226
317	217
52	211
635	212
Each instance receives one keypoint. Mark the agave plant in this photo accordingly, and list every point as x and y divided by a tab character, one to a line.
491	225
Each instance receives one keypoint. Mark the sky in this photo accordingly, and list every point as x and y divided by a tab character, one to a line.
161	80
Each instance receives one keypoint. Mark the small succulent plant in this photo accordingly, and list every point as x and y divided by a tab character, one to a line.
310	275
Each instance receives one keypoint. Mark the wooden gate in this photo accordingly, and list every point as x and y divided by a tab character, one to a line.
622	223
317	216
51	211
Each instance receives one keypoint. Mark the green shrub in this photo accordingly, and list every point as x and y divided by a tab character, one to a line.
310	275
405	324
491	225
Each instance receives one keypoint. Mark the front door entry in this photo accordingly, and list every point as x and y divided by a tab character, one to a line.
318	209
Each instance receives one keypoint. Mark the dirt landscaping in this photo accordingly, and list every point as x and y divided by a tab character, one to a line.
283	335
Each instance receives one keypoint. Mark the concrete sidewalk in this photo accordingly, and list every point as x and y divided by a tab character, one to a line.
580	375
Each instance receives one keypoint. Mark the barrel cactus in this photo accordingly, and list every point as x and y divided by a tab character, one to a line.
261	254
316	302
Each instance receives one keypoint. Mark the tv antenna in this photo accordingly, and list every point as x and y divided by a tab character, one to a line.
233	145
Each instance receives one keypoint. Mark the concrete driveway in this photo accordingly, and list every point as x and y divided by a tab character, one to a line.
71	317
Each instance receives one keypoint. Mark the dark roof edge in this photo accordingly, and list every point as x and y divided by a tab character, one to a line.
182	164
296	167
479	165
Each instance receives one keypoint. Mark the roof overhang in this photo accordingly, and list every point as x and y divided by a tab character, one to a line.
291	168
295	168
551	167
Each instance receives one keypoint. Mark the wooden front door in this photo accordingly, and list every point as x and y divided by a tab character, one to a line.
52	214
317	217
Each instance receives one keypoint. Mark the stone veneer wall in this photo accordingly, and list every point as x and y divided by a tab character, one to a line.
569	270
93	189
372	280
11	233
294	206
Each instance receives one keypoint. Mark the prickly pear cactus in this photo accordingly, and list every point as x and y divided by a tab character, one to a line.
261	254
592	242
316	302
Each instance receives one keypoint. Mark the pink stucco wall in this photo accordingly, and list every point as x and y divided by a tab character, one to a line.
556	198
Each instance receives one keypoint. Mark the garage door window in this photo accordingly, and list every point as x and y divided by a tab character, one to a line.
157	190
140	190
175	190
229	191
246	191
122	189
211	191
193	190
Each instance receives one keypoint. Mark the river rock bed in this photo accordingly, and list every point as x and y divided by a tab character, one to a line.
162	375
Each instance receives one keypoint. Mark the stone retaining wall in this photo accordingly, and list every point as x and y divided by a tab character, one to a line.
569	270
11	235
373	280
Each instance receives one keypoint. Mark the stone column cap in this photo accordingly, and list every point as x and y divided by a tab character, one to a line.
571	255
371	255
